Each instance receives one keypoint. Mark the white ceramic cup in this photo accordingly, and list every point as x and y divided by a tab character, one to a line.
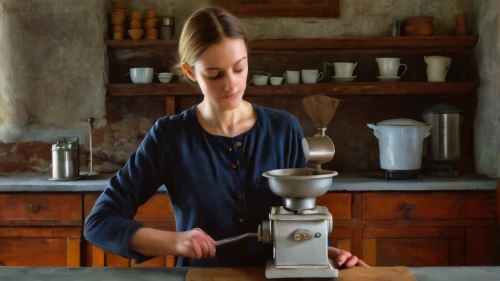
342	69
141	75
276	81
260	79
292	76
311	76
165	77
389	67
437	68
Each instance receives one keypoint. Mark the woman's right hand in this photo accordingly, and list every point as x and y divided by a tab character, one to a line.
194	244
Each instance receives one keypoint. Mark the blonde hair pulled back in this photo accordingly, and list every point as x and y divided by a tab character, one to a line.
204	28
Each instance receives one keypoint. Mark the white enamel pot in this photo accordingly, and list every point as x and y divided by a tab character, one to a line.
401	143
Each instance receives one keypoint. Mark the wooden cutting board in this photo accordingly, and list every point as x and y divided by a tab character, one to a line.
399	273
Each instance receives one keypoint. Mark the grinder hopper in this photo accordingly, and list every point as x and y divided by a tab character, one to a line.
299	187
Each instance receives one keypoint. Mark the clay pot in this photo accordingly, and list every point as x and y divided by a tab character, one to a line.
117	18
151	33
135	33
151	23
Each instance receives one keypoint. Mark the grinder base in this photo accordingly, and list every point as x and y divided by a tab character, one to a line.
274	273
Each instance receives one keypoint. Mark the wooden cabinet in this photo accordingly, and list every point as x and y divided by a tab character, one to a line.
40	229
383	228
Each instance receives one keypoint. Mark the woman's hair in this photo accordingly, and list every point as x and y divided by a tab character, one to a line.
204	28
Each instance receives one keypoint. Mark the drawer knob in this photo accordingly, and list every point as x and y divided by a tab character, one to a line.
407	209
34	207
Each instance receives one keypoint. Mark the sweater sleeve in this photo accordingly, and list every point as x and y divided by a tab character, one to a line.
296	155
110	224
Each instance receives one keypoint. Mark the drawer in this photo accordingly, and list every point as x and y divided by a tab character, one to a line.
33	251
430	205
157	207
339	204
41	209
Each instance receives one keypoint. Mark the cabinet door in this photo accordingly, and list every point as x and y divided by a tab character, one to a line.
414	246
157	212
40	246
482	246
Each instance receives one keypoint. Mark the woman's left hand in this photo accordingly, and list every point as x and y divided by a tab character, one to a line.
344	258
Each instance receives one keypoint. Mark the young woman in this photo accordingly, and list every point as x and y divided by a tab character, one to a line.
210	158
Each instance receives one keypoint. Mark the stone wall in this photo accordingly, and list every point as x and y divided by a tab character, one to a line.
61	68
52	68
487	123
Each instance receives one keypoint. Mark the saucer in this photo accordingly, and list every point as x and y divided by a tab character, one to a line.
388	79
343	78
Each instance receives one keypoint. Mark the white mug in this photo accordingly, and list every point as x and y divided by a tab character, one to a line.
310	76
292	77
388	67
437	68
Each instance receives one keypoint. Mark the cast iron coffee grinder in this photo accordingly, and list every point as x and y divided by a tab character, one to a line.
299	229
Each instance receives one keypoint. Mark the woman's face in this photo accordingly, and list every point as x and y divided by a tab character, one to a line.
221	72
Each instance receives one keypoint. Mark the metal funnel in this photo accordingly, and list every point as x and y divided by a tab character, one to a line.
299	187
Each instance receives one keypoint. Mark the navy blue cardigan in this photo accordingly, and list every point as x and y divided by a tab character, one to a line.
214	183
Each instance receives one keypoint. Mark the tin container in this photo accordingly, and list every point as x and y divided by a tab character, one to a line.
167	27
65	159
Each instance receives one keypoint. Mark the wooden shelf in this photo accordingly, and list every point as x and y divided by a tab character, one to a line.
462	43
351	88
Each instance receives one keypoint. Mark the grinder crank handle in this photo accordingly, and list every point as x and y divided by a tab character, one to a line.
235	239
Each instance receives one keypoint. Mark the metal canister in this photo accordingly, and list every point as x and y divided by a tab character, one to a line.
167	28
65	159
443	145
395	28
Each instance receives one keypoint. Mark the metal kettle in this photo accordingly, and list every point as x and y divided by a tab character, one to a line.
66	159
443	145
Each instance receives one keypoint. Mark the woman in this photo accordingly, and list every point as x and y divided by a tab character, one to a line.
210	158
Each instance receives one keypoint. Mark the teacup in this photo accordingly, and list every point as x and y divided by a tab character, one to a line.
276	81
292	77
310	76
342	69
260	78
